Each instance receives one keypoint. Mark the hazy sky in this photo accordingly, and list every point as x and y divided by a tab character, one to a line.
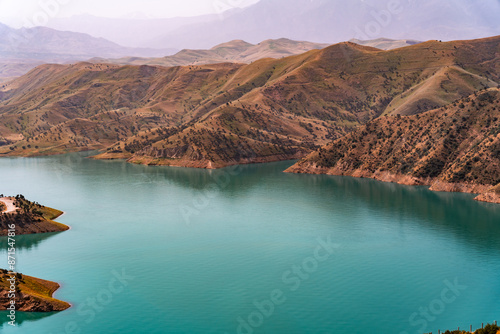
14	12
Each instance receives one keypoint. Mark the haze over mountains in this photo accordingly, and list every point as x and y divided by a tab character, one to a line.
322	21
47	44
236	51
239	51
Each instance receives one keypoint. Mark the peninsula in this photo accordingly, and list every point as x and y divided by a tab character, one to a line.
28	217
32	294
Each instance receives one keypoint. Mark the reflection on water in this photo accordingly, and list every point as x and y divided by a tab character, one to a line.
21	319
27	242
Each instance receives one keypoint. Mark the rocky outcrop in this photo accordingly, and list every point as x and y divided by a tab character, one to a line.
490	196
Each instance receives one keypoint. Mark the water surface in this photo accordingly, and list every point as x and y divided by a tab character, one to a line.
207	248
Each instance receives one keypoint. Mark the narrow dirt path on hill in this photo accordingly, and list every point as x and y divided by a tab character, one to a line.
9	203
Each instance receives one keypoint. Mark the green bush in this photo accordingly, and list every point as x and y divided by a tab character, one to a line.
488	329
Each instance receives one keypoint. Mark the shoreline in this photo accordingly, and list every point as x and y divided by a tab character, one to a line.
484	193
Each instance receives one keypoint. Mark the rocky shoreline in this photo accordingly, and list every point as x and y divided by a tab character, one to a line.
486	193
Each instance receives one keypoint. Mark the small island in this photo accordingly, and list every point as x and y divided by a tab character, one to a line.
32	294
28	217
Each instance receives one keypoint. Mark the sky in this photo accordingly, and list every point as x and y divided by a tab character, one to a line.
27	12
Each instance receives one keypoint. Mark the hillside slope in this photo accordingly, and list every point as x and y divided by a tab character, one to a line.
456	148
215	115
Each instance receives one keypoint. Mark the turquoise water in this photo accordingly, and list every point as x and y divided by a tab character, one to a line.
252	250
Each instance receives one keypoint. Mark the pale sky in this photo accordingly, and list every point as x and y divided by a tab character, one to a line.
14	12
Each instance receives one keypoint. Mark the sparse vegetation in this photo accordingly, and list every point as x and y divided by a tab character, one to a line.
454	145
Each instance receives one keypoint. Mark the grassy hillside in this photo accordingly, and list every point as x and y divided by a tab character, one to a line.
214	115
454	148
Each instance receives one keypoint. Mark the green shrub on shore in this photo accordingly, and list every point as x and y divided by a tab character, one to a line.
488	329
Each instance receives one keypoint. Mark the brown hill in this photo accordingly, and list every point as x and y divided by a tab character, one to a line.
216	115
456	148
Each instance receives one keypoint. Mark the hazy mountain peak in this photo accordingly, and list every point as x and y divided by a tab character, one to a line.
234	44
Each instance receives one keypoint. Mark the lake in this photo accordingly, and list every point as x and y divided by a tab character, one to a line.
251	249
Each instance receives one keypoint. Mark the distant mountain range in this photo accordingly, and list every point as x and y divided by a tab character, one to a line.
216	115
128	31
47	44
320	21
23	49
236	51
239	51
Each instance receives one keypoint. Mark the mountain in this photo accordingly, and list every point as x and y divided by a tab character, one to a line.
236	51
385	43
321	21
22	48
211	116
454	148
332	21
49	44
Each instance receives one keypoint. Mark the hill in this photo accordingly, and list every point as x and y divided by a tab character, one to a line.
216	115
454	148
236	51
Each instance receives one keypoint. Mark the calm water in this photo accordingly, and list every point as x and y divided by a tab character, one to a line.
206	251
